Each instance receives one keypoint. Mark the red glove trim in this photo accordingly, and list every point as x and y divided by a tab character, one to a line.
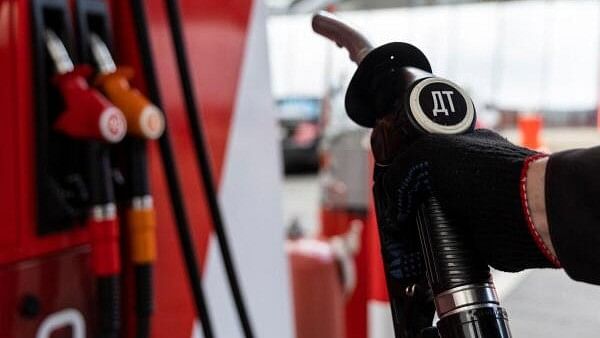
532	230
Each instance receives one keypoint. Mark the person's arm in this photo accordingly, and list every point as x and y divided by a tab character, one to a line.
572	203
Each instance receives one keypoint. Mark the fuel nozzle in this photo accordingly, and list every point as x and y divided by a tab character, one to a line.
144	119
88	115
394	82
401	102
396	79
395	92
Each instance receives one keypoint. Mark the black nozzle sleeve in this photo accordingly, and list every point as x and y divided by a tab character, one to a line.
450	261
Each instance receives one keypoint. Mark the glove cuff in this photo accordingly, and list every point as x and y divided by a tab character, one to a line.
537	238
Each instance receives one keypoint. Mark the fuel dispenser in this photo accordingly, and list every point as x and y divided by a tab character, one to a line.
45	245
71	237
68	265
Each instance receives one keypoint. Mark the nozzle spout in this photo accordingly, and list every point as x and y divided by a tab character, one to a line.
58	52
105	62
331	27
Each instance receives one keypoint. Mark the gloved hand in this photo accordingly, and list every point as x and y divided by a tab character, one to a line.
477	179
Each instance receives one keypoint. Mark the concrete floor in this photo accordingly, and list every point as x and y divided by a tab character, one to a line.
301	202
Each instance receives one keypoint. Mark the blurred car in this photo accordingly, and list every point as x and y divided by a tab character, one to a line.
300	125
345	171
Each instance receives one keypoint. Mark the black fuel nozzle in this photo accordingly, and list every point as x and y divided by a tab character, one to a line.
395	92
402	102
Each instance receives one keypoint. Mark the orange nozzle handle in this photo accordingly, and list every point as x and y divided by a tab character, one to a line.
142	235
144	119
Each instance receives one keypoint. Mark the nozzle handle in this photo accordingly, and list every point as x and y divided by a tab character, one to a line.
331	27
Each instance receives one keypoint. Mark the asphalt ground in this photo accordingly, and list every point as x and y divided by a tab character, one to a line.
540	303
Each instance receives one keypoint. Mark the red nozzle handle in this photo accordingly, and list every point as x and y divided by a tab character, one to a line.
329	26
88	115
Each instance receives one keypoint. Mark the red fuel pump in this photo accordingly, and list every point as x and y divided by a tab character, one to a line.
59	257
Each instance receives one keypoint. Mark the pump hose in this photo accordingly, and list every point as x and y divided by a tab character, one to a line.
454	270
450	261
141	221
144	305
104	236
168	162
109	293
203	159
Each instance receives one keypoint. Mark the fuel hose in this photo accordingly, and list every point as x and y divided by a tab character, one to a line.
141	222
167	158
104	227
202	157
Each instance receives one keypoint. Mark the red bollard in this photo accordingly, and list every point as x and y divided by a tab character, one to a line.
530	126
317	292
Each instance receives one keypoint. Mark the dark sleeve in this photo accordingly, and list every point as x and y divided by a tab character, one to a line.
573	208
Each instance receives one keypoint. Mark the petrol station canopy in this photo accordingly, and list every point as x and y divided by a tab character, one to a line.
306	6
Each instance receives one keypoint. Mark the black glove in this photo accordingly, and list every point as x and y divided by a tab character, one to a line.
476	178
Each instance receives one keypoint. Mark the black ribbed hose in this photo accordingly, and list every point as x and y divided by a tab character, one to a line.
449	260
143	272
109	306
451	263
168	162
144	299
203	159
108	291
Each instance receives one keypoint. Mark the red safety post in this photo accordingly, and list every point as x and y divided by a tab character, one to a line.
530	126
